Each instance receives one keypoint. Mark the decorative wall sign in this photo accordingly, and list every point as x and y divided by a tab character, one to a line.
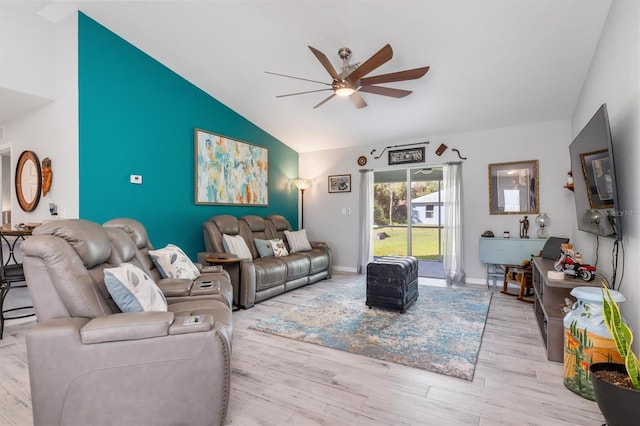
340	183
228	171
406	156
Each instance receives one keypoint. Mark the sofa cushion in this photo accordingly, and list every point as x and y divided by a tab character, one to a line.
270	272
172	262
235	244
298	265
278	247
133	290
264	247
298	240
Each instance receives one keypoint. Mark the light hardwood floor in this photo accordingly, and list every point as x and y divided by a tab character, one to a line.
278	381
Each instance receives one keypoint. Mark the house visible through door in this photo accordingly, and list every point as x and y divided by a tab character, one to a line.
407	216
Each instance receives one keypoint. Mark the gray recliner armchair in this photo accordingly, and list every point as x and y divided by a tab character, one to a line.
135	248
91	364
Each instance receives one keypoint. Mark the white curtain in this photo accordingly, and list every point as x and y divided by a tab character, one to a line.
452	194
365	219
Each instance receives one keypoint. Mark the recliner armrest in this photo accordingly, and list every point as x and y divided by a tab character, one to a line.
174	287
126	326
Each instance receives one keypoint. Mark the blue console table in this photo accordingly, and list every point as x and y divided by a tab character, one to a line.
498	252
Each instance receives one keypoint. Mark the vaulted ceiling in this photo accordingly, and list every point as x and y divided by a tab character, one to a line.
494	63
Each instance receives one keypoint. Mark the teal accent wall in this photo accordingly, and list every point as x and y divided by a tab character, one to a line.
138	117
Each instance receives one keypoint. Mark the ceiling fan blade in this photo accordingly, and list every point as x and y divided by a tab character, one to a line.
385	91
325	63
298	78
302	93
357	100
395	76
324	101
380	57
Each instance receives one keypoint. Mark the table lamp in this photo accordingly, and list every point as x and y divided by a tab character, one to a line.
543	221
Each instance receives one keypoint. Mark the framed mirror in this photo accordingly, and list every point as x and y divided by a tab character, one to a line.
28	181
513	188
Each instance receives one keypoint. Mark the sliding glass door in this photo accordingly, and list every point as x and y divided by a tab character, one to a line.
407	213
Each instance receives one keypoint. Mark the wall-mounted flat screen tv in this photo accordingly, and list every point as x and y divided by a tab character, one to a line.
594	178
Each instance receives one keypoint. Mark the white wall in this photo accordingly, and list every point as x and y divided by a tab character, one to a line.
26	64
51	130
546	142
614	79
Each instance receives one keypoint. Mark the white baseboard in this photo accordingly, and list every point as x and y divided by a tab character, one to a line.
345	269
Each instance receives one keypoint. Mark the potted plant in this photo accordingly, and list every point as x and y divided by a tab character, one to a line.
617	386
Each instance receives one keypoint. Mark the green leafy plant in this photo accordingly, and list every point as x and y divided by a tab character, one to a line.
622	335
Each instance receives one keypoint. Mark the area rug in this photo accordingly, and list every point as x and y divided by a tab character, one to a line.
441	332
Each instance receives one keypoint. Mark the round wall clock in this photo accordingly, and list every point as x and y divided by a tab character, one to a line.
362	160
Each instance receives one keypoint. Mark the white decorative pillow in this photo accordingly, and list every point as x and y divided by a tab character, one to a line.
172	262
235	244
133	290
298	240
278	248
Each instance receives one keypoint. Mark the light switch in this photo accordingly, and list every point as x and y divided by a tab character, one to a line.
137	179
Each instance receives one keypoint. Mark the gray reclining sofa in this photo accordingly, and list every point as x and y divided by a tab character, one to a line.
260	278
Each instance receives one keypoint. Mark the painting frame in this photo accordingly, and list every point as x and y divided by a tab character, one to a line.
229	171
596	168
339	183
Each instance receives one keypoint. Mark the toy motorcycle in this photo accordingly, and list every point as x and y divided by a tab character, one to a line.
568	264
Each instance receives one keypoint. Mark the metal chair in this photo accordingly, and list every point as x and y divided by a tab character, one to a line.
11	276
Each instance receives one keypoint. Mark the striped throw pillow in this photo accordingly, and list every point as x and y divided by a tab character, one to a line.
298	240
235	244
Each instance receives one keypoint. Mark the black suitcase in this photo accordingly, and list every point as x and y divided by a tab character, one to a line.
392	282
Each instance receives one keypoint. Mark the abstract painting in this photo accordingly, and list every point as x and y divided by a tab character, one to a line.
228	171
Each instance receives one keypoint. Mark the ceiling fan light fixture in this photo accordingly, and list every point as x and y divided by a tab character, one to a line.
344	91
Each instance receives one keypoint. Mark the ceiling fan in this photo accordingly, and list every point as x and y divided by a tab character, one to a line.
351	79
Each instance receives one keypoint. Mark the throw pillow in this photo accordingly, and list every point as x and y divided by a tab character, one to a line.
235	244
298	240
133	290
264	247
172	262
278	247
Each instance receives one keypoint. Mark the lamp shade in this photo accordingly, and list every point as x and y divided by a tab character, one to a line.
302	184
543	220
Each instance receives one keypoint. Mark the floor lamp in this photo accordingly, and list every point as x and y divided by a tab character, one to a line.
302	184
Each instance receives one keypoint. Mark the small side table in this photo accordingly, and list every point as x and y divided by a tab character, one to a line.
226	261
12	273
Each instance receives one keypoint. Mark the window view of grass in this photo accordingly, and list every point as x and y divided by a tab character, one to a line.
424	241
392	202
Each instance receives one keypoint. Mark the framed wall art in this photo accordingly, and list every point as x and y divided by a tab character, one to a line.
596	167
340	183
228	171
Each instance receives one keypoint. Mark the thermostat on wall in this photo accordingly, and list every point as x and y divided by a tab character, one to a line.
135	179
